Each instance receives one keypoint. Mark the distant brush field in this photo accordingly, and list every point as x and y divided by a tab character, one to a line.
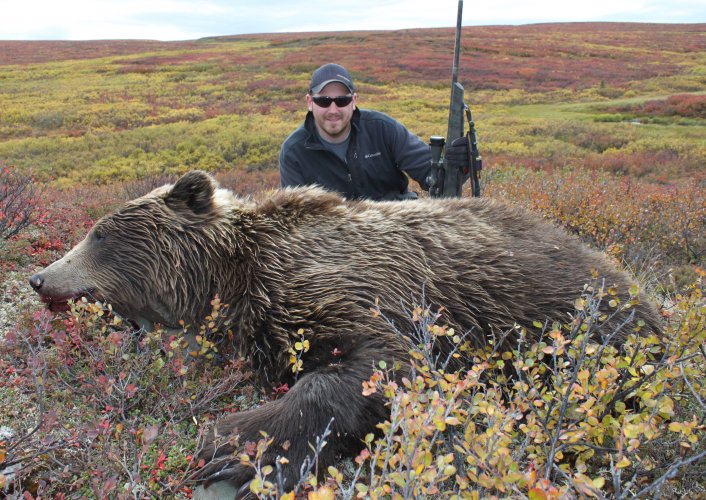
600	127
625	98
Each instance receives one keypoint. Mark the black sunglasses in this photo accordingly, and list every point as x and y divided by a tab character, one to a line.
325	101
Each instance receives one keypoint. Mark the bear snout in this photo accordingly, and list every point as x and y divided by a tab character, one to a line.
36	282
57	299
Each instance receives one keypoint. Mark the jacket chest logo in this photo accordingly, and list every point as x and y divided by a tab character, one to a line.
372	155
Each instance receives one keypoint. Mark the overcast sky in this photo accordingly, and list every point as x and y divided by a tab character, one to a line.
190	19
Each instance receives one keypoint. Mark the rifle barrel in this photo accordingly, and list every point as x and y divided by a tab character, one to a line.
454	129
457	43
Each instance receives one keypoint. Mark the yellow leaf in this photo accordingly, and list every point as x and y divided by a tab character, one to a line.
323	493
256	485
673	426
624	462
361	488
666	407
536	494
633	444
647	369
333	472
631	431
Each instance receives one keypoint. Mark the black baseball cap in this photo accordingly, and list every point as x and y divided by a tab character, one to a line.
329	73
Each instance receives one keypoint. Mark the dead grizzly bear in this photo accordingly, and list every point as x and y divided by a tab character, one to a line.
308	260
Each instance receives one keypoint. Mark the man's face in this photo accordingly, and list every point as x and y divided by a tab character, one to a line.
333	123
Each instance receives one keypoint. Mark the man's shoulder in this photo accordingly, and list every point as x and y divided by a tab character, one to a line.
299	136
370	115
379	123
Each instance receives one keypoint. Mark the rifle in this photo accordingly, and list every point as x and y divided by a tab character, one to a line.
444	180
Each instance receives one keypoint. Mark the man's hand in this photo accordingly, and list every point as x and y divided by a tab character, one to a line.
458	156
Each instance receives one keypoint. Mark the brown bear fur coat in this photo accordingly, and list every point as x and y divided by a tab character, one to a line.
308	260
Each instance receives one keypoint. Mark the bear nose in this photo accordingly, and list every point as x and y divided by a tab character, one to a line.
36	281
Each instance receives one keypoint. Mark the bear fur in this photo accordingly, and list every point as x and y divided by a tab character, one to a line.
306	260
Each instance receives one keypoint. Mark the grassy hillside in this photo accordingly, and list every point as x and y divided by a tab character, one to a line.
543	95
599	127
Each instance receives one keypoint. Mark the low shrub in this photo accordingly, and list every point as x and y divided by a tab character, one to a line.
575	414
112	411
19	199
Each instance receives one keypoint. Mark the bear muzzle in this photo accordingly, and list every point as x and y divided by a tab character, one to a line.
56	302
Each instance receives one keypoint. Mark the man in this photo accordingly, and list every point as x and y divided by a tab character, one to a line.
359	153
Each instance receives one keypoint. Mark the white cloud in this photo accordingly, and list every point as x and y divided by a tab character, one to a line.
188	19
91	19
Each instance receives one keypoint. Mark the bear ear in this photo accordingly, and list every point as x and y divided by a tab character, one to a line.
194	190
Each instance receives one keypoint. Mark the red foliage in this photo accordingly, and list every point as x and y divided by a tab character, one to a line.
62	224
659	165
19	197
33	52
280	390
650	225
686	105
537	57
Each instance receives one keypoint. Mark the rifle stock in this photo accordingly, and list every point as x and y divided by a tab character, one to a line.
453	178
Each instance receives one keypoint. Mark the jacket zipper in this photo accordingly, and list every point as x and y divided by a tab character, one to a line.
350	177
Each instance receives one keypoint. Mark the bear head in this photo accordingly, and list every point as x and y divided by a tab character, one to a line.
149	259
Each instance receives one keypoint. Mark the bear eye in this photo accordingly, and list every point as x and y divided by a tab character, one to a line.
98	235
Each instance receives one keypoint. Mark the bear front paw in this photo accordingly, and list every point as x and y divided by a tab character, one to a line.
225	468
240	468
236	453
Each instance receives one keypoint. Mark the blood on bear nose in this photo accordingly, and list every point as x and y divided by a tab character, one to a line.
36	281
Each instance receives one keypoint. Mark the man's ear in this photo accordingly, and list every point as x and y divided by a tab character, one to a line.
193	191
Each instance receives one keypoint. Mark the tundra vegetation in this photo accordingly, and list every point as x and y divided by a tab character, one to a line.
599	127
